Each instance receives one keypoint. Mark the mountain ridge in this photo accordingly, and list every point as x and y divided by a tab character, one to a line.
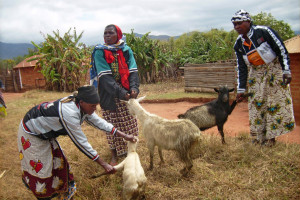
12	50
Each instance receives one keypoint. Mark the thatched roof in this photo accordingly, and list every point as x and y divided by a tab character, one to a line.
293	44
24	63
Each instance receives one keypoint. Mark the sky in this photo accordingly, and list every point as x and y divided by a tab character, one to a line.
23	21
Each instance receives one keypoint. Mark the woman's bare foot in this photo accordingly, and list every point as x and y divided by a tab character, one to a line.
114	158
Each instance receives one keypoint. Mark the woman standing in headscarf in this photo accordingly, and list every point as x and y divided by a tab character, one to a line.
45	170
114	66
270	103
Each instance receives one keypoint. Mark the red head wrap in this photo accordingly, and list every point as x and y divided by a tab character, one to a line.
119	32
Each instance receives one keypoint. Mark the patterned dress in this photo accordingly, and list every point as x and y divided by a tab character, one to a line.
270	104
123	121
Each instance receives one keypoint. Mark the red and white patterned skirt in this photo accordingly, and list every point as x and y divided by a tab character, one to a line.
45	170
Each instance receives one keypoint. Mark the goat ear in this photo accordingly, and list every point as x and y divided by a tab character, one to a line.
231	90
216	90
141	98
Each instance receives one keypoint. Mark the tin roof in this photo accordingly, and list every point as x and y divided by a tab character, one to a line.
293	44
24	63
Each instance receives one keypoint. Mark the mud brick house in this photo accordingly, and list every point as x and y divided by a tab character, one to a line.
293	47
29	75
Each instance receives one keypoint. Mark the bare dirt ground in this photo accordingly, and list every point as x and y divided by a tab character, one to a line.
238	121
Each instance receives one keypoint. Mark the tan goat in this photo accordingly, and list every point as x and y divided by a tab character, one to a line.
180	135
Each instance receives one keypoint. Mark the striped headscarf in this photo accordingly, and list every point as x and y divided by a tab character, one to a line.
240	16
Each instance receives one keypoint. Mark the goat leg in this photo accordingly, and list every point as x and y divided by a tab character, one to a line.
186	158
151	150
220	129
160	155
232	106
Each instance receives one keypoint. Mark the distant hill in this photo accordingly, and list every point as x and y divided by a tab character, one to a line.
12	50
156	37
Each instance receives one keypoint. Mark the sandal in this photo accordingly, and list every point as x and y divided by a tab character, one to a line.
255	141
269	143
71	191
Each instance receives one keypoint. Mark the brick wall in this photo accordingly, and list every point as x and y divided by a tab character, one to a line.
295	85
29	77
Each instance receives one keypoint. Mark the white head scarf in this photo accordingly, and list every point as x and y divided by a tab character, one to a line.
240	16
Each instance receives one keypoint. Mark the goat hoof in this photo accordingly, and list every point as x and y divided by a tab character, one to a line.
161	163
184	171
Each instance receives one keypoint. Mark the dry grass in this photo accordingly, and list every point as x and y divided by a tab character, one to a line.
238	170
170	90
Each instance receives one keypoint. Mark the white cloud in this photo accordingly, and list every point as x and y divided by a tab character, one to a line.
22	21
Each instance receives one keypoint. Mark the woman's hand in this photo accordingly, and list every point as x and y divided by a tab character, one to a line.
107	167
287	78
127	96
240	97
125	136
133	94
130	138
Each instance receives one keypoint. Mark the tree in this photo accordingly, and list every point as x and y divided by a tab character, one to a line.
63	60
282	28
148	55
202	47
7	64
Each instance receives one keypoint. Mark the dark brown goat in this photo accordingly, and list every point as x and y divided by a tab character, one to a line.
214	113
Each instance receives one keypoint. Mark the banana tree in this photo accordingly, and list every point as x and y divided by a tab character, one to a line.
63	60
148	55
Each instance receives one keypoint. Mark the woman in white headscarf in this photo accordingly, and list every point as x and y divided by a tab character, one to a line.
264	61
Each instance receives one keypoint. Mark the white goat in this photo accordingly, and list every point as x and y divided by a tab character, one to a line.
134	179
180	135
